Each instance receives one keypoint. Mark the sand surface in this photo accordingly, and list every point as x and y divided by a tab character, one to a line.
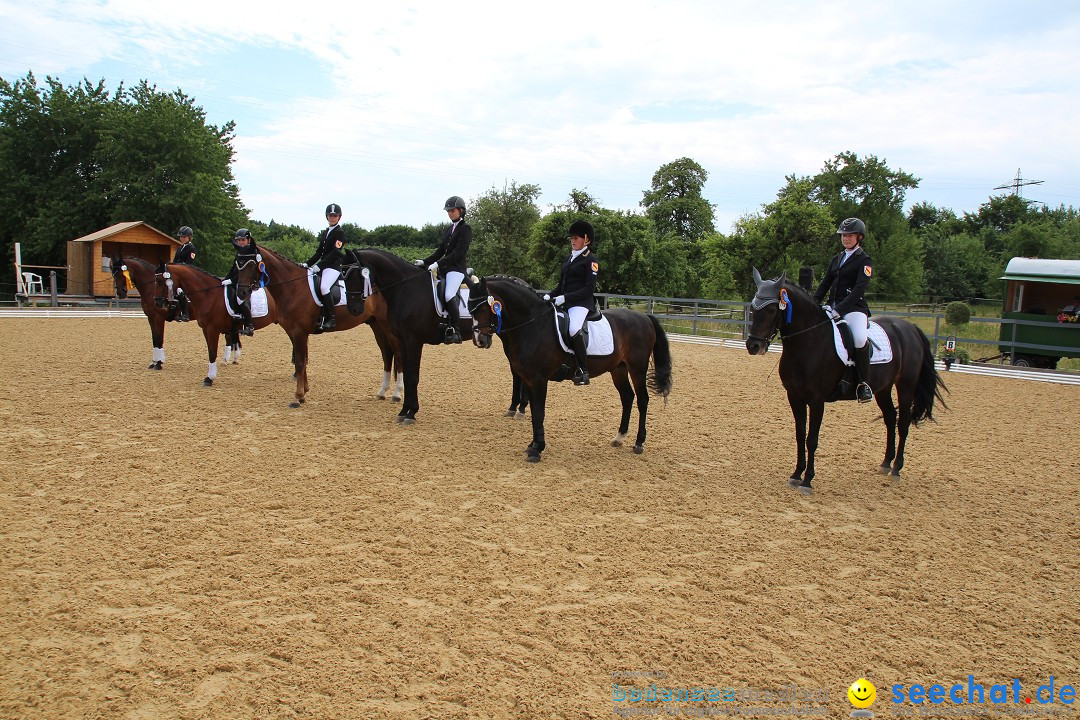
174	551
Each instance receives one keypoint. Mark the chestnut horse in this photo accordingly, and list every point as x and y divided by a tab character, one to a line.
508	307
810	370
207	298
297	312
137	274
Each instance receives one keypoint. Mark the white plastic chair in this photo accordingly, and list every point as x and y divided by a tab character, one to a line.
32	281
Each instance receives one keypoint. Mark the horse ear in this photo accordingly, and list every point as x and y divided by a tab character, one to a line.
161	266
757	277
783	277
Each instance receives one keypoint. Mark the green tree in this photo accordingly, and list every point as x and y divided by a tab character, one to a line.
850	186
674	202
501	221
77	159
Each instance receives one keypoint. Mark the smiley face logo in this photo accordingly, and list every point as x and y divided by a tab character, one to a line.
862	693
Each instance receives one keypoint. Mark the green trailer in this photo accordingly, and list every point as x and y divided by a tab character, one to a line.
1042	299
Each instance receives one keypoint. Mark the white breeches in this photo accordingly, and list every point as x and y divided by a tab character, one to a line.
857	321
329	277
577	315
453	284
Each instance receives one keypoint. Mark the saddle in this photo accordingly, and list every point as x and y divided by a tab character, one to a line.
880	352
562	323
438	292
337	293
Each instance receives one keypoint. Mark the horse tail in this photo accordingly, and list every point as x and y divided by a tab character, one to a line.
659	379
928	386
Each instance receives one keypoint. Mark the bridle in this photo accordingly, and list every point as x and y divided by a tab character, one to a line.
242	262
757	304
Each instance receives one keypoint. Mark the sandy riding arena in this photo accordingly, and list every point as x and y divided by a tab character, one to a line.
175	551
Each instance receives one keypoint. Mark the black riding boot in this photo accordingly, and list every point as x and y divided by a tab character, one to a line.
581	377
453	332
862	366
329	316
184	314
249	325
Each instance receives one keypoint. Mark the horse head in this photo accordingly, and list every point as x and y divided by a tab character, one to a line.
486	311
357	283
250	273
121	278
766	311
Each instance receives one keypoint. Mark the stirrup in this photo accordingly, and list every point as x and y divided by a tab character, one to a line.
452	336
248	330
863	393
581	377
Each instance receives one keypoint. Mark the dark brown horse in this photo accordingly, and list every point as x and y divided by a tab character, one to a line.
207	298
297	312
810	370
408	316
511	309
137	274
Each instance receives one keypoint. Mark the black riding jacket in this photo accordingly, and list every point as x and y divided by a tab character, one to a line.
329	253
577	281
452	249
185	254
846	284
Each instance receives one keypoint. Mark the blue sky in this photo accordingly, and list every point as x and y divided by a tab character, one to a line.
389	109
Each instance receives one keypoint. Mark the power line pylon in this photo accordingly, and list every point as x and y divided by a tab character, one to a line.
1018	183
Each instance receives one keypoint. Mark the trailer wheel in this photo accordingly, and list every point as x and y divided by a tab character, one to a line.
1022	361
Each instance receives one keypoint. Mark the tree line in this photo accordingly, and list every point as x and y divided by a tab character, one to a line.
76	159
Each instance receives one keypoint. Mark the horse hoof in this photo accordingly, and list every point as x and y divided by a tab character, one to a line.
885	469
794	481
509	413
396	399
805	490
532	458
380	397
399	419
520	414
408	421
638	449
207	382
896	474
294	404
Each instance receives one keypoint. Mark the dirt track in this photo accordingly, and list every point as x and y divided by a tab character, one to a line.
174	551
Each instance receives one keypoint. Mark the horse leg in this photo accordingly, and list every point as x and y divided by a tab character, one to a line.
211	354
299	356
626	393
410	360
817	412
888	414
798	412
538	398
904	426
387	354
516	397
157	338
642	391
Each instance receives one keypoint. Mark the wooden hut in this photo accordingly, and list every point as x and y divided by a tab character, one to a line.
88	257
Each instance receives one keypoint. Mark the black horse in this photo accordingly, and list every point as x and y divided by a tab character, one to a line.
519	401
409	318
810	370
514	311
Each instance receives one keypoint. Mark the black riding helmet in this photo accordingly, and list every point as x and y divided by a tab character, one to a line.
852	225
581	228
184	232
454	202
333	208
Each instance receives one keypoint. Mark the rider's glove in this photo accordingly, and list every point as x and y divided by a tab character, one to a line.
560	300
418	263
303	265
547	298
226	281
314	268
433	266
831	312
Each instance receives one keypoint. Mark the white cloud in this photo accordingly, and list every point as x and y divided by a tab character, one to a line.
408	104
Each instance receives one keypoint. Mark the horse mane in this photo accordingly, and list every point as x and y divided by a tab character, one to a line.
516	286
200	270
275	253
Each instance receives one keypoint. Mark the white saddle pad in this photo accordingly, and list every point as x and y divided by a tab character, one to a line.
257	302
880	347
314	296
600	340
